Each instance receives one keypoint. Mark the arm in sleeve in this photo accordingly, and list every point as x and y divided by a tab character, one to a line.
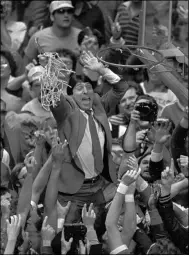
178	233
177	144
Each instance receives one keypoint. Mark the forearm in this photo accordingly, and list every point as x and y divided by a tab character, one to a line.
92	236
16	83
144	189
129	141
129	224
38	152
177	187
52	188
46	250
25	194
10	246
41	180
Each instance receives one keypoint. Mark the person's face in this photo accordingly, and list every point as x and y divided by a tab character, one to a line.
63	17
139	77
36	88
5	67
6	202
83	95
3	114
144	165
127	102
117	153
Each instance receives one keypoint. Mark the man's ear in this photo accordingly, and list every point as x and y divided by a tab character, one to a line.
52	17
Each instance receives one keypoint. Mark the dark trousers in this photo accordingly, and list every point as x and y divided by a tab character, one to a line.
96	193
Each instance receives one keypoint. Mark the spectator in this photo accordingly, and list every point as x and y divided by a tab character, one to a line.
34	106
88	14
60	34
8	67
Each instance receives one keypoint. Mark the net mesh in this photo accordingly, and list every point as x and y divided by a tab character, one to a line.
53	80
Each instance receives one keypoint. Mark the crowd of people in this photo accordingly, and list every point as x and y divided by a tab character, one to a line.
104	168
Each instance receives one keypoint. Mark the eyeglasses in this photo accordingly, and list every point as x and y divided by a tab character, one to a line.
63	11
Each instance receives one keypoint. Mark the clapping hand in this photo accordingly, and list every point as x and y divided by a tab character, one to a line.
115	27
47	233
13	227
130	176
65	246
89	216
30	162
132	163
162	132
91	62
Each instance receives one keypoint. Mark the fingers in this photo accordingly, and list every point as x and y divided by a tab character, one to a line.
44	222
90	208
117	18
172	166
110	21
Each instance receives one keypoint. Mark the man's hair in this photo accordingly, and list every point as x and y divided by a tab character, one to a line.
76	79
163	246
147	97
133	60
12	63
135	86
97	33
4	190
62	52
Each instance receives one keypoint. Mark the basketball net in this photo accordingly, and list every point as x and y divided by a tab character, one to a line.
54	80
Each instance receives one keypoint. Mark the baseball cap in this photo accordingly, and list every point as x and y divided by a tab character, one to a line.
55	5
35	73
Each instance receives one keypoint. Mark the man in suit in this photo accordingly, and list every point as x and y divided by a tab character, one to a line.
82	120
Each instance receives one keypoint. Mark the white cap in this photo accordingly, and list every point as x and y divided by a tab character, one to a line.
55	5
35	73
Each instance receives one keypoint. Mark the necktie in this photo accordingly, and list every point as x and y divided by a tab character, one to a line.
96	149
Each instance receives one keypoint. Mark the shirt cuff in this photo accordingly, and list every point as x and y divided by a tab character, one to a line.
119	249
120	41
111	77
156	157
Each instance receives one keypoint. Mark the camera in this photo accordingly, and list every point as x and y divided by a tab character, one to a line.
148	110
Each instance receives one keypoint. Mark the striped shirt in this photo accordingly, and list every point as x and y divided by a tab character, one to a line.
130	27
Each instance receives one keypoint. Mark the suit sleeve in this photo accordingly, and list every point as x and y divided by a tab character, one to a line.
112	98
61	111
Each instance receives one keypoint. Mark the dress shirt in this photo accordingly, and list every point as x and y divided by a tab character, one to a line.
84	152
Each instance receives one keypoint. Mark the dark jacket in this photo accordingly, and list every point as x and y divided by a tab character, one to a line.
179	234
178	144
71	126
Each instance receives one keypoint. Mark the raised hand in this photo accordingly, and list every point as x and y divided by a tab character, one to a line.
167	176
82	248
130	176
186	113
65	246
89	216
30	162
47	233
184	161
13	227
58	149
91	62
63	210
43	59
162	132
132	163
115	27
